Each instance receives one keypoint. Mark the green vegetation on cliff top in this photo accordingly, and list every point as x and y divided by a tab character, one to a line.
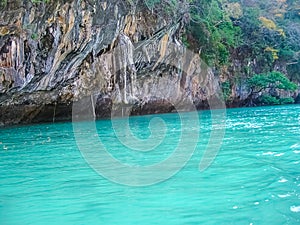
249	40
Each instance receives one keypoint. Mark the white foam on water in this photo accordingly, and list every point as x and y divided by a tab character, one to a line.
235	207
268	153
279	154
295	146
256	203
284	196
250	125
295	208
296	151
283	180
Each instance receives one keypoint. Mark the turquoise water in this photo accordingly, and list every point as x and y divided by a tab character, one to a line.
255	178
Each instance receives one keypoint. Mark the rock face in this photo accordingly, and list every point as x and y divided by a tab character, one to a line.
52	54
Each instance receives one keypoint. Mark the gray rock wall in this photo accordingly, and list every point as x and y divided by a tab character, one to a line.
52	54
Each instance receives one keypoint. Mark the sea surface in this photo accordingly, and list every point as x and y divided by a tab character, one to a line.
253	178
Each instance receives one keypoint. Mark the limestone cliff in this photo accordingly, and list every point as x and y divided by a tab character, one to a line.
119	53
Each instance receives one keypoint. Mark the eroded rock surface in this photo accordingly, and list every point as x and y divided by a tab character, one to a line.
52	54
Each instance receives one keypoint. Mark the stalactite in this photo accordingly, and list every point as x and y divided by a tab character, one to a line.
125	86
162	49
130	25
125	66
93	107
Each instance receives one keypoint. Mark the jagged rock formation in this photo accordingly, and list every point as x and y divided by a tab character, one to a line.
52	54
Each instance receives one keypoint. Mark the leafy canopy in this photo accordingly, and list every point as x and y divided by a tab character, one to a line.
274	79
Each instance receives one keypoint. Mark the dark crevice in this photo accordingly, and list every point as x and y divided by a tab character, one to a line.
27	54
104	50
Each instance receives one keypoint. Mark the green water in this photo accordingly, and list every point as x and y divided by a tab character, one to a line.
255	178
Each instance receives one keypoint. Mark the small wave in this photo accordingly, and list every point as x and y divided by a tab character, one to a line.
271	153
252	125
239	125
296	151
295	146
284	196
295	208
283	180
268	153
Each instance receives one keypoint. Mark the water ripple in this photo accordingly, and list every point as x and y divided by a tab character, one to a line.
255	178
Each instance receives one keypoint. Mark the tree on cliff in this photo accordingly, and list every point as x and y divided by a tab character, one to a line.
270	83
